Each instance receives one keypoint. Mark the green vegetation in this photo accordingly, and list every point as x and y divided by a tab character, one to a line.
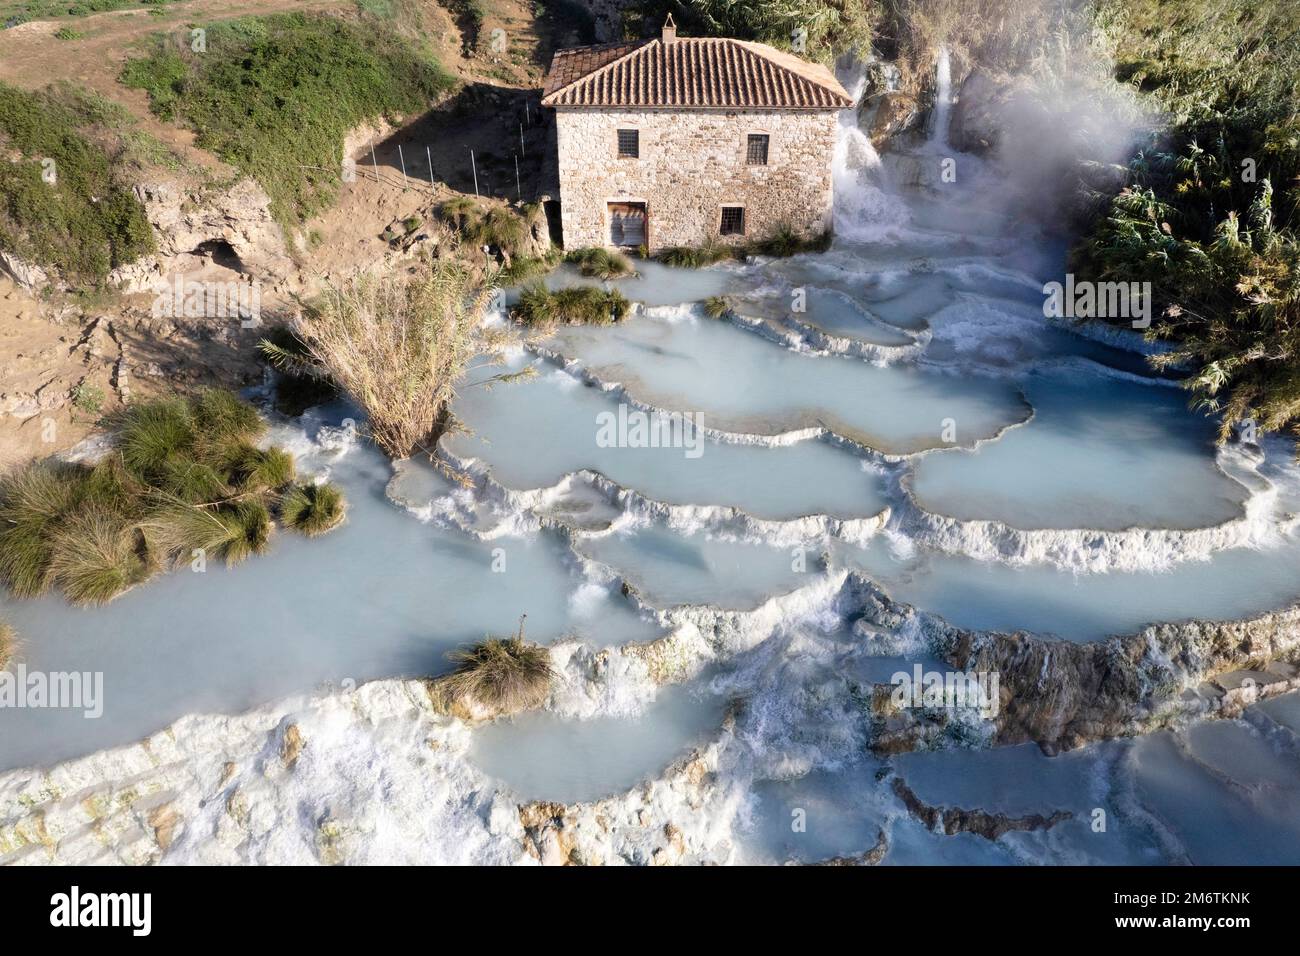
830	26
503	676
64	201
185	478
15	12
1209	215
469	20
88	398
522	268
715	306
312	509
784	241
500	229
397	346
696	257
542	308
276	95
600	263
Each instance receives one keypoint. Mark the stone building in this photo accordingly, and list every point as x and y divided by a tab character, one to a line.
678	141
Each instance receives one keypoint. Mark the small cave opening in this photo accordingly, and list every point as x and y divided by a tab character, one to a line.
221	253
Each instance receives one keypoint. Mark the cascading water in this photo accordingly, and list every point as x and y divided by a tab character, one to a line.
864	210
942	99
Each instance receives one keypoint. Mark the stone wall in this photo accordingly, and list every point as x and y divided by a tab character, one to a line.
691	164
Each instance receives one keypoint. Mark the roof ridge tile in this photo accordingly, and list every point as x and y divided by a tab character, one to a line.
690	72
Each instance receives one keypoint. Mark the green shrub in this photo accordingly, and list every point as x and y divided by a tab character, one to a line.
88	398
829	28
312	509
87	221
1219	247
499	228
182	478
543	308
600	263
276	95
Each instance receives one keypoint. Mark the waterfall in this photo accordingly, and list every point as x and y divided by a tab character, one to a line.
942	99
864	211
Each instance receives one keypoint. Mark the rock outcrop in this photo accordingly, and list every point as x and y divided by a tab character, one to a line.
1062	695
26	275
886	109
953	820
237	218
981	110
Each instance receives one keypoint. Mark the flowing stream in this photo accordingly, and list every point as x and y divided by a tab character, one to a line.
913	417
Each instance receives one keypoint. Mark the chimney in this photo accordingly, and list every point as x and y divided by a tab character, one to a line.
670	30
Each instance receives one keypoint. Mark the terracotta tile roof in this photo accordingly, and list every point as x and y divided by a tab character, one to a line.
690	72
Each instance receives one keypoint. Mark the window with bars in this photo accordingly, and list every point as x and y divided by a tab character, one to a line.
629	144
733	221
756	150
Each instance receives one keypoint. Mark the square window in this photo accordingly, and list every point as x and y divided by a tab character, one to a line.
756	150
629	144
733	221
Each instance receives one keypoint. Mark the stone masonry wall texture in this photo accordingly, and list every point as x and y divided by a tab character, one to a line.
691	164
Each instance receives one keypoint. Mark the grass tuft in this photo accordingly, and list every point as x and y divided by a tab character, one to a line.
542	308
312	509
600	263
184	481
715	306
33	502
503	676
154	435
696	257
250	526
95	556
259	469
